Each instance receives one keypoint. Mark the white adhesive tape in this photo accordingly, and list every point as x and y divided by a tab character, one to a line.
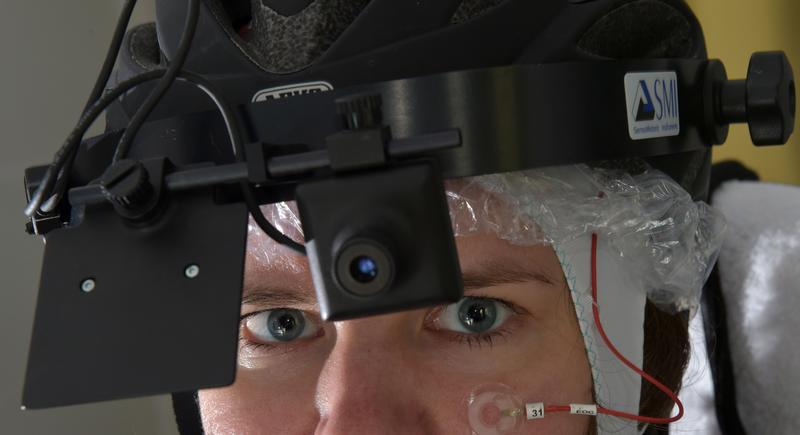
579	409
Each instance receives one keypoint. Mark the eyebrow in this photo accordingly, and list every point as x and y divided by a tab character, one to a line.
488	274
267	295
495	272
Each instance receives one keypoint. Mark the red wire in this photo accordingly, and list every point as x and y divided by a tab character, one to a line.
625	361
613	349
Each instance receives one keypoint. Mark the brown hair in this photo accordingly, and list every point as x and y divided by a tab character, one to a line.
666	355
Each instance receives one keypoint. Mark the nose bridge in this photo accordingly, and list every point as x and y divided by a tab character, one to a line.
367	383
367	355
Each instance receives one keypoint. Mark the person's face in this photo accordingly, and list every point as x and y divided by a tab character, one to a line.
407	372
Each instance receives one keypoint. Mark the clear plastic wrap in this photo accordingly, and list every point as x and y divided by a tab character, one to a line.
670	241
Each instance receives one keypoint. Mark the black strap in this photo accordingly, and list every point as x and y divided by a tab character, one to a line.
187	413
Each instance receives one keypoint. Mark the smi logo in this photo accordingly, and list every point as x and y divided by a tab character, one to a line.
666	97
652	103
291	91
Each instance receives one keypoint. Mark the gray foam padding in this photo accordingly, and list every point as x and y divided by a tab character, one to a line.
469	9
284	44
287	8
640	29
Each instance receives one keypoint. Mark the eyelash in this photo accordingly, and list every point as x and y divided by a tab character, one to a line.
253	345
478	340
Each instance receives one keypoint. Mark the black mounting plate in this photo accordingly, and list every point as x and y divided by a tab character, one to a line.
145	327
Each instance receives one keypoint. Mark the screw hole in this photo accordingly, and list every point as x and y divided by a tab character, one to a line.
88	285
191	271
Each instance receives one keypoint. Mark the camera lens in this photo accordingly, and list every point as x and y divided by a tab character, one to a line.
364	269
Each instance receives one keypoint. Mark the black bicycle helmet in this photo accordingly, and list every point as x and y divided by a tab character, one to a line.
272	43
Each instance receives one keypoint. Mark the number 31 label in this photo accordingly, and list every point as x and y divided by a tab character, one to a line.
534	411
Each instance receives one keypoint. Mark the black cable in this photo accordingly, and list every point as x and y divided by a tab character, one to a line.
97	104
76	135
61	185
65	155
112	54
235	137
234	134
62	182
164	84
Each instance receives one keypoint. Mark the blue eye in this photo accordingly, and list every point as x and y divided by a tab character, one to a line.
281	325
473	315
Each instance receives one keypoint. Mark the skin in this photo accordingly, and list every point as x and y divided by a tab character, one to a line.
407	372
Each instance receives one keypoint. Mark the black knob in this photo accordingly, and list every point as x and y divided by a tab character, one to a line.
360	111
765	100
126	185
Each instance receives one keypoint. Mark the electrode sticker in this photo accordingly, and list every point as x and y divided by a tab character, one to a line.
583	409
534	411
652	102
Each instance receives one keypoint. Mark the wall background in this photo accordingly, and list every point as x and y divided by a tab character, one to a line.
51	52
734	29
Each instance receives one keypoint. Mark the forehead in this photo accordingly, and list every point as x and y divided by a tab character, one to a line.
481	256
486	252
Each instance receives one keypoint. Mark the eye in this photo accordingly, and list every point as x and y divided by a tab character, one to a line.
473	315
280	326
